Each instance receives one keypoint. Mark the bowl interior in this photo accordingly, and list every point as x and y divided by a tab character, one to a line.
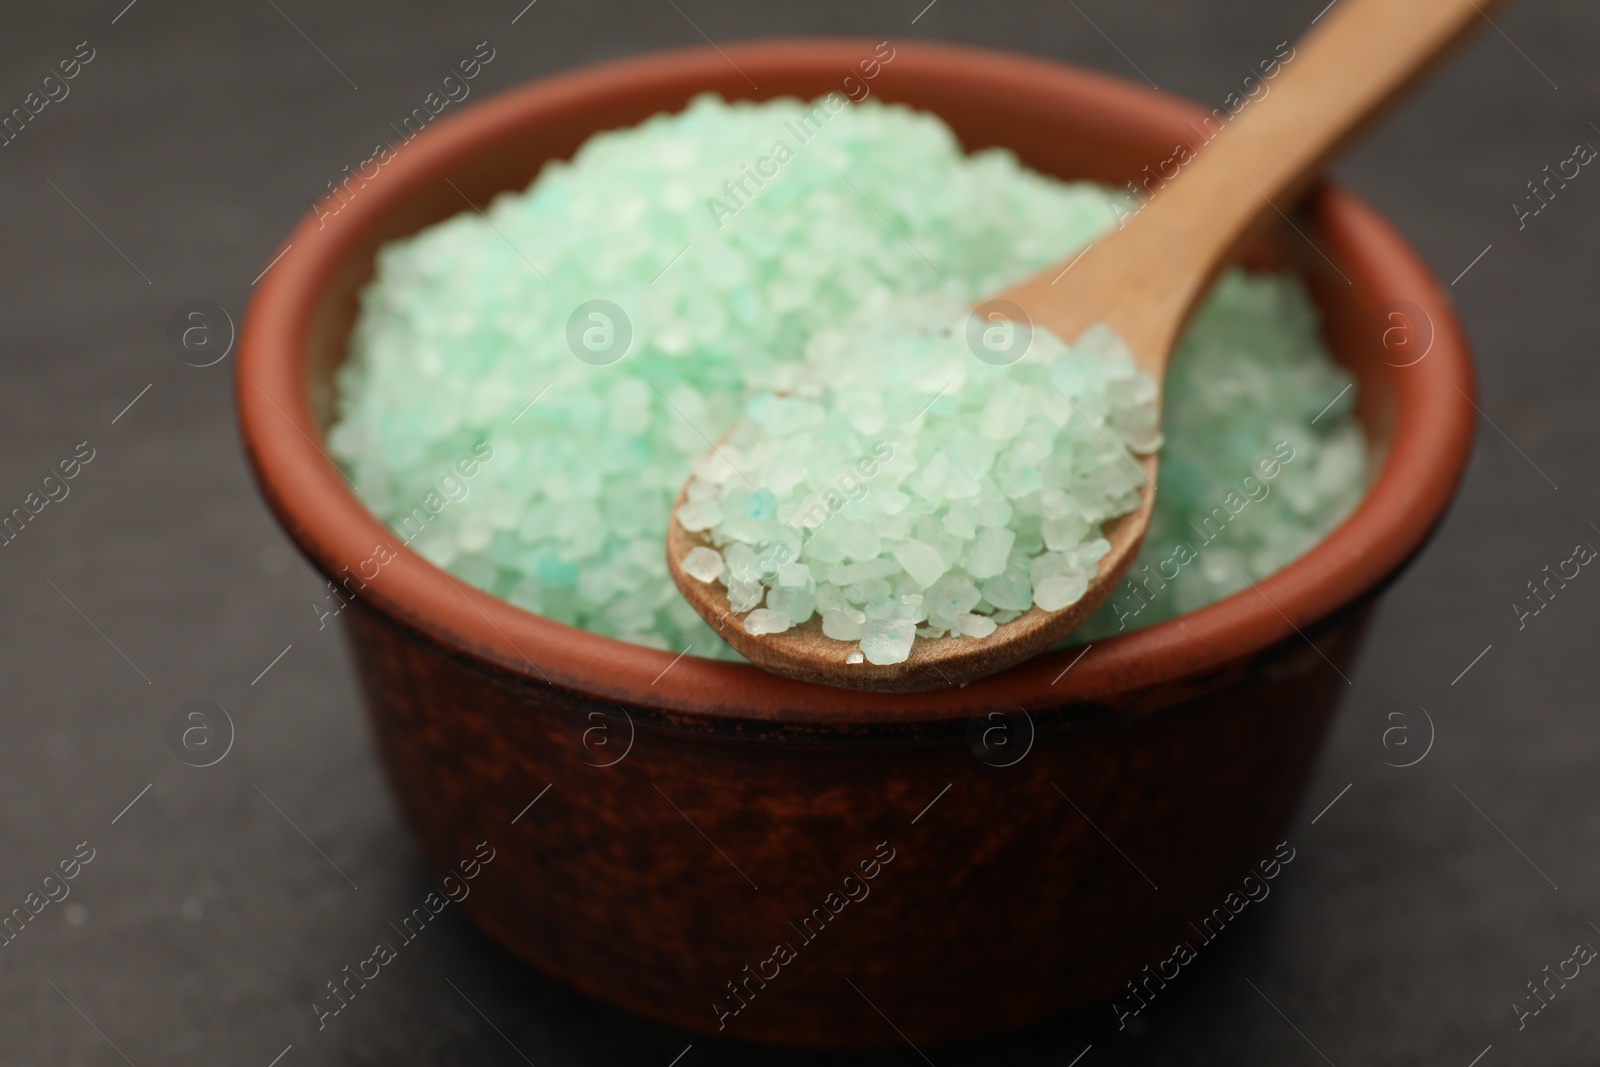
1066	123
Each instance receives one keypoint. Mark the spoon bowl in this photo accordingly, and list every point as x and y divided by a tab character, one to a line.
806	654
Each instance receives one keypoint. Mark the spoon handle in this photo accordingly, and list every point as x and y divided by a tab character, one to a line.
1246	166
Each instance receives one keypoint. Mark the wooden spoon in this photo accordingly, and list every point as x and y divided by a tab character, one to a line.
1144	280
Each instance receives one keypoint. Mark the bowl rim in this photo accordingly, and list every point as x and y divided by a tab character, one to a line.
1427	455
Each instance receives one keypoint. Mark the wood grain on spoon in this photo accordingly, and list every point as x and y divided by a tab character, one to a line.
1144	280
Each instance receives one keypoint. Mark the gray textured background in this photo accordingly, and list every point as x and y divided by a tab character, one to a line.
201	930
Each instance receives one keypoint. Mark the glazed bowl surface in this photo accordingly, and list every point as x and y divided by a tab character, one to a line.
1034	838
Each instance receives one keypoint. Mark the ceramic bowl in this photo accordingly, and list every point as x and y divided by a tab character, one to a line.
740	854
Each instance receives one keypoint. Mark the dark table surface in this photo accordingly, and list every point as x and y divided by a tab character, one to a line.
1421	903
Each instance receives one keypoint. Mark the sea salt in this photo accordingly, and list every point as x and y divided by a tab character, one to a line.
764	621
702	564
902	501
888	642
464	336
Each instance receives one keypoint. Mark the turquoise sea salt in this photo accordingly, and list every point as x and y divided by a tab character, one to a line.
1257	466
868	218
904	489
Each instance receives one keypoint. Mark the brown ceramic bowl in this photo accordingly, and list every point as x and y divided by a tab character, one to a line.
1171	757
